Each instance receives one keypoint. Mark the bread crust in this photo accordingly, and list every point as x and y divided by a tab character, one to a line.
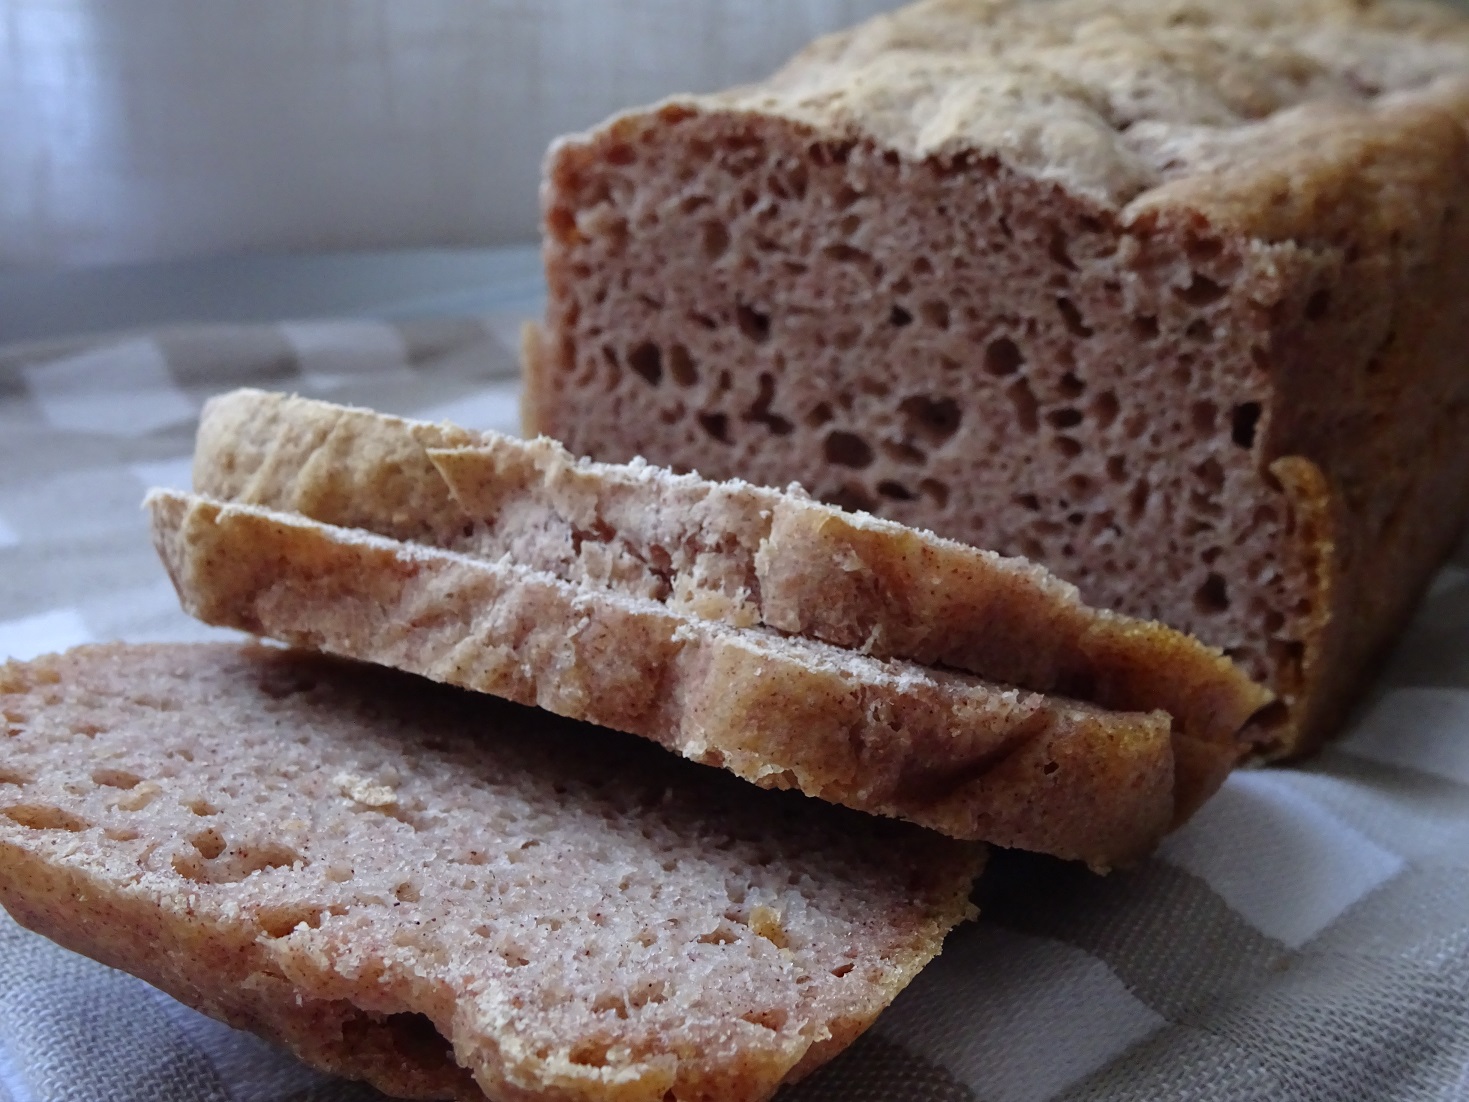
385	876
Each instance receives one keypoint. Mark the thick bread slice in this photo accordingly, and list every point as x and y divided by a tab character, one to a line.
729	551
443	893
939	748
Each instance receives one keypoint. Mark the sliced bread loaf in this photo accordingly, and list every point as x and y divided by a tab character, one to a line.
942	749
448	895
1167	295
725	551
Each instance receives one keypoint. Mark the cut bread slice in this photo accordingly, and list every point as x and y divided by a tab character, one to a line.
939	748
445	894
726	551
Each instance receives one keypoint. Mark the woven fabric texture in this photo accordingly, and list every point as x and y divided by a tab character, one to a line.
1306	936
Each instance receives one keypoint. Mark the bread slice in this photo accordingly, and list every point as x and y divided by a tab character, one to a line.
445	894
724	551
1166	295
942	749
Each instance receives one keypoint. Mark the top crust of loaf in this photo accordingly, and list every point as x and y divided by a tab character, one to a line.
411	884
1245	112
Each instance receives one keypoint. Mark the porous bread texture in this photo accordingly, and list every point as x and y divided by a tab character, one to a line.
444	894
1170	296
942	749
725	551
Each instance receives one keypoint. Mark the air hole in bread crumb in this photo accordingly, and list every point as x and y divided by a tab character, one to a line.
1117	468
895	491
715	239
681	366
1002	357
1205	416
1200	331
1072	316
210	843
140	797
1065	418
1246	417
1145	327
934	419
121	834
609	1002
590	1054
753	324
759	413
647	360
13	776
278	922
1201	291
935	313
116	778
1049	768
1201	250
1137	499
1027	407
201	807
406	893
902	452
1068	446
771	1018
1318	304
847	449
1071	386
1028	501
842	969
716	425
1057	250
819	414
1213	595
1105	409
1211	474
721	935
44	817
898	317
935	491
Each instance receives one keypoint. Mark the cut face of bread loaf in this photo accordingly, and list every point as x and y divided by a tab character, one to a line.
445	894
729	552
942	749
1171	297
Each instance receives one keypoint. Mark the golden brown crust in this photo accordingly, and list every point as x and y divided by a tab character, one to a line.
729	551
444	895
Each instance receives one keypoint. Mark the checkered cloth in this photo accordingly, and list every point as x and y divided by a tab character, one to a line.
1305	937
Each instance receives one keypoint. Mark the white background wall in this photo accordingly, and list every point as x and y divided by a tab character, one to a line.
152	129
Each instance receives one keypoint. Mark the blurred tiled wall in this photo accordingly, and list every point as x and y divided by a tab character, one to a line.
141	129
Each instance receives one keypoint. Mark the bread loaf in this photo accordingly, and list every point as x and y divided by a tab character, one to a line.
727	551
447	895
1170	296
941	749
